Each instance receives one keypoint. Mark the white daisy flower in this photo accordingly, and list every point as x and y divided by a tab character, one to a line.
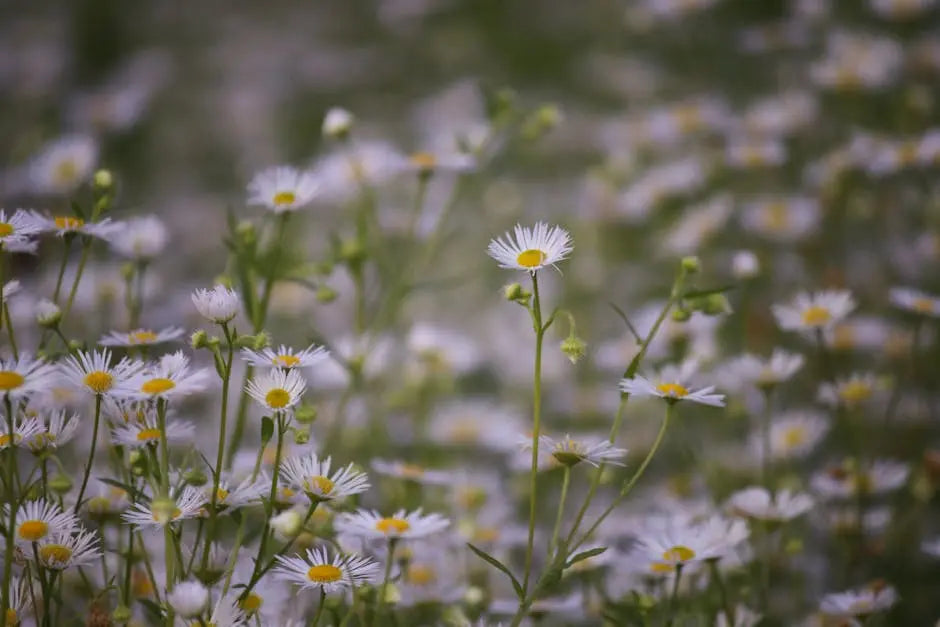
670	384
477	424
402	524
412	472
568	451
141	239
794	433
38	520
755	370
850	392
20	594
843	482
742	616
319	571
171	377
228	498
160	511
26	375
66	550
915	301
137	434
25	429
931	547
227	613
16	230
218	305
277	390
311	475
93	372
429	577
819	310
284	357
531	249
337	122
141	337
65	225
685	543
188	598
427	163
59	431
757	502
282	189
876	597
64	164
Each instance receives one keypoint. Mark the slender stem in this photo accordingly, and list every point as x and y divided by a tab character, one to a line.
241	415
722	592
561	508
82	260
262	313
380	600
269	508
316	617
284	549
675	594
91	453
536	427
14	502
67	244
766	477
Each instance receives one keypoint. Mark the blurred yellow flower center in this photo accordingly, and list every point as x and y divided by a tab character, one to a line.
33	530
843	337
142	337
6	229
679	553
530	258
421	575
12	618
55	553
923	305
465	432
10	380
392	525
689	118
158	517
65	172
661	567
321	483
287	493
5	439
251	603
99	381
68	222
324	573
794	436
277	398
816	316
286	361
486	534
285	198
855	391
673	389
777	216
157	386
411	471
141	584
147	435
220	495
424	160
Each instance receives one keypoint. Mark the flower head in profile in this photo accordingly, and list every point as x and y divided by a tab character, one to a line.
63	225
531	249
672	384
16	231
571	451
281	189
60	429
765	372
876	597
141	337
915	301
163	511
284	357
819	310
317	570
401	524
141	239
218	305
759	503
146	432
312	476
277	390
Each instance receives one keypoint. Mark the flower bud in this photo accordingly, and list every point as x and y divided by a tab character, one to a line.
163	510
574	347
337	123
246	232
122	614
716	305
305	413
195	478
325	294
745	265
681	315
199	339
516	293
48	314
287	524
691	264
103	180
60	484
301	436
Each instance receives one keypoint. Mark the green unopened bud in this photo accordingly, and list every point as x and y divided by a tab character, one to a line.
517	294
453	616
305	413
122	614
502	105
794	546
691	264
392	594
213	342
325	294
138	463
261	340
716	305
574	347
246	232
75	345
195	478
681	315
127	271
60	484
541	121
199	339
103	180
48	314
352	252
301	436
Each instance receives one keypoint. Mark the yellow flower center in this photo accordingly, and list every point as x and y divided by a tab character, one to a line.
923	305
855	392
465	432
486	534
277	398
794	436
411	471
157	386
285	198
286	494
420	575
5	439
33	530
55	553
321	483
67	222
679	553
158	517
141	584
148	435
423	161
10	380
661	568
11	618
674	390
65	172
99	381
220	495
286	361
6	229
530	258
392	525
324	573
816	316
777	216
251	603
142	337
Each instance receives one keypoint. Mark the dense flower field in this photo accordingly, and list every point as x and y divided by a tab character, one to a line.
647	336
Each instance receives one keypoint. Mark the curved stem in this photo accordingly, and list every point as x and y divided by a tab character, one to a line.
316	617
380	600
91	454
262	313
272	495
675	594
561	509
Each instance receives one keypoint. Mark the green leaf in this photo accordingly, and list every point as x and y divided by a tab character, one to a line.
626	321
77	210
267	430
486	557
583	555
708	292
117	484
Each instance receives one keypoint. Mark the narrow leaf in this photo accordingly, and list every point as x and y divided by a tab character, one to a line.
267	429
626	321
486	557
583	555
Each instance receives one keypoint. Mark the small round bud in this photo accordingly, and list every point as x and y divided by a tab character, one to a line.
745	265
352	252
681	315
691	264
305	413
60	484
512	291
474	595
188	598
48	314
337	123
122	614
716	305
103	180
301	436
542	121
325	294
247	233
287	524
195	478
74	345
574	348
199	339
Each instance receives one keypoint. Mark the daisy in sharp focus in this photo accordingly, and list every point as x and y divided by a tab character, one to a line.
284	357
160	512
277	390
93	372
38	520
20	377
66	550
570	451
402	524
819	310
60	429
317	570
218	305
670	384
281	189
170	377
531	249
312	476
915	301
757	502
141	337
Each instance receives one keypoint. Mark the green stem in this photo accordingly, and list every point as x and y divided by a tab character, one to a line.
269	508
766	477
536	427
673	600
241	415
14	502
10	333
91	454
722	592
82	260
316	617
561	508
262	313
380	600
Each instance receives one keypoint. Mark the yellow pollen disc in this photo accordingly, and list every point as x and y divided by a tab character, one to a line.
855	392
142	337
324	573
68	222
65	172
287	493
6	229
32	530
55	553
423	160
531	258
679	553
148	435
673	389
794	436
5	439
923	305
284	198
11	617
420	575
99	381
661	568
277	398
157	386
176	514
411	471
221	495
10	380
816	316
286	361
251	603
321	483
392	525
